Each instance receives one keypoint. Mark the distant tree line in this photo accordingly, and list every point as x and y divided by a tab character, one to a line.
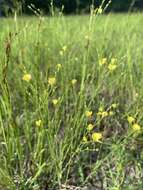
67	6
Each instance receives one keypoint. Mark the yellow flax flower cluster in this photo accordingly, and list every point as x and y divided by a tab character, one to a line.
112	108
95	136
113	65
27	77
110	112
102	112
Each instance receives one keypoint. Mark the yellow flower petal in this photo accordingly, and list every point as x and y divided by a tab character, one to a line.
74	81
96	137
100	10
90	127
26	77
112	67
59	66
55	101
111	113
104	114
103	61
64	48
52	81
88	113
130	119
113	61
114	105
136	127
61	52
84	139
38	123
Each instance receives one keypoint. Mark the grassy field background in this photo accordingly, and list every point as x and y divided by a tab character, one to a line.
71	102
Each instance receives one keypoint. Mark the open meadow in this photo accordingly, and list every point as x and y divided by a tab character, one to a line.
71	102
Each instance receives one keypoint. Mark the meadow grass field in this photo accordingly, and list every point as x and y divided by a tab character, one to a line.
71	103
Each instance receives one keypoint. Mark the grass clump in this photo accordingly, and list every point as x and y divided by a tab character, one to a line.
71	102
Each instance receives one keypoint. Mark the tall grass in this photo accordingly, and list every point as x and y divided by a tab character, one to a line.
44	140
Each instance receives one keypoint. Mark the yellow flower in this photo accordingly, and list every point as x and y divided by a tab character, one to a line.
64	48
55	101
52	81
86	37
136	127
74	81
131	119
103	61
113	61
84	139
99	113
88	113
103	114
38	123
100	10
101	109
111	113
96	137
26	77
61	52
59	66
136	95
90	127
112	67
114	105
